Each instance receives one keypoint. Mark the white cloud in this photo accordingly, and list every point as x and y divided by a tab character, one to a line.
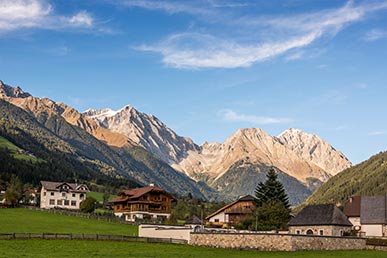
169	7
19	14
376	133
376	34
81	19
207	50
232	116
194	50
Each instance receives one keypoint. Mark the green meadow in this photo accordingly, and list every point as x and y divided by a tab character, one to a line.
84	248
30	221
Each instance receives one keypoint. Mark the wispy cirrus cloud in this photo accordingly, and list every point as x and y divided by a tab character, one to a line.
232	116
376	34
195	50
171	7
21	14
377	133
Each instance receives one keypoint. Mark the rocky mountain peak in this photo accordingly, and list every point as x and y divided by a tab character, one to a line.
8	91
312	147
146	131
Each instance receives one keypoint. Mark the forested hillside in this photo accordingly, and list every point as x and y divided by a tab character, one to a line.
366	178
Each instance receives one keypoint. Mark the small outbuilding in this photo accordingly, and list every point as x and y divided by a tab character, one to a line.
323	220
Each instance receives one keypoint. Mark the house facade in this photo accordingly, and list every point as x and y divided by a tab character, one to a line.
232	213
368	213
323	220
149	203
62	195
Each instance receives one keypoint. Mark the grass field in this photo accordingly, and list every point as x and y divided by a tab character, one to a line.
28	221
99	196
61	248
4	143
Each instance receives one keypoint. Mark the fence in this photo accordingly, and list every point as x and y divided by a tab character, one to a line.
111	218
99	237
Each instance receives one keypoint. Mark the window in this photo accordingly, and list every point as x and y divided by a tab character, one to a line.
63	194
73	195
321	232
66	202
59	202
52	202
81	196
298	231
216	220
52	193
309	232
44	193
73	203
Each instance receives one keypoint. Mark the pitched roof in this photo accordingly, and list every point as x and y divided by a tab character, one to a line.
136	193
322	214
352	206
55	186
373	210
193	220
243	198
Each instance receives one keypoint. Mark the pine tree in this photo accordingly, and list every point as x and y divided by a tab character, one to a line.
271	190
271	200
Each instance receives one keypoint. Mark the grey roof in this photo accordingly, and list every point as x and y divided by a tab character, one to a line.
322	214
55	186
193	220
373	210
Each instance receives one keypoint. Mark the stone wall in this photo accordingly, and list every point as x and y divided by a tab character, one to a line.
319	230
276	242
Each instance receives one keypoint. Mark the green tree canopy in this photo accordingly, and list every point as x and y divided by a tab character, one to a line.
14	192
271	200
271	190
88	205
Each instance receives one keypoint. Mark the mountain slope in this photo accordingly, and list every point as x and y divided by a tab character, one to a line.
74	131
312	148
236	166
146	131
366	178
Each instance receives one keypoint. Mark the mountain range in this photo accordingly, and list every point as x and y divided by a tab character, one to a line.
138	146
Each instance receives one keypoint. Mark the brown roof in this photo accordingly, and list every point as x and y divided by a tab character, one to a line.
243	198
322	214
352	206
136	193
55	186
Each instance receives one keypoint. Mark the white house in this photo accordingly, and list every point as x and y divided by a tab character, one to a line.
368	214
62	195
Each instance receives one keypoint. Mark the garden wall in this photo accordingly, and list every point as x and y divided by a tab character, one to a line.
276	242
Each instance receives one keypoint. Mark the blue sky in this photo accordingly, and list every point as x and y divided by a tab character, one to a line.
209	67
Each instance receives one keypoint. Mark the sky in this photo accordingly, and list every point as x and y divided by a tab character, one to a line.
209	67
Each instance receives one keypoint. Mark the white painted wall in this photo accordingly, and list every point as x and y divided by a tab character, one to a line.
158	231
222	217
372	229
46	196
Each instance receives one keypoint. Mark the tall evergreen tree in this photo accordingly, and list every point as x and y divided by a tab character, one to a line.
271	200
271	190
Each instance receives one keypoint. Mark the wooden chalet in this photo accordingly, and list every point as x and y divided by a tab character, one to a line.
232	213
148	203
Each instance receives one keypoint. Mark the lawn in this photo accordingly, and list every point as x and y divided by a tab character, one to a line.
76	248
99	196
22	220
14	150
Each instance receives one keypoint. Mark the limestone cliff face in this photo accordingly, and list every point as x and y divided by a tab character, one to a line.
36	105
252	145
312	148
146	131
